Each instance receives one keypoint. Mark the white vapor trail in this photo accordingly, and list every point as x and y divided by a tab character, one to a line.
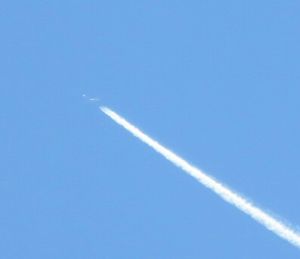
224	192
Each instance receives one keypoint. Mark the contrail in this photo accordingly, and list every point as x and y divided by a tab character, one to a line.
224	192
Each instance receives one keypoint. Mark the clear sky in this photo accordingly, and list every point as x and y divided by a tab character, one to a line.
216	81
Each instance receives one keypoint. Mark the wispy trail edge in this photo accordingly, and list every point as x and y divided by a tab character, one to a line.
224	192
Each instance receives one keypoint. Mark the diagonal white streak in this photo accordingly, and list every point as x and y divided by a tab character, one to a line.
224	192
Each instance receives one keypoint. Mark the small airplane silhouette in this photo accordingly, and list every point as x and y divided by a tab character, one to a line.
93	99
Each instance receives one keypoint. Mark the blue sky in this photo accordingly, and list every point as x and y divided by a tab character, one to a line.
216	81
